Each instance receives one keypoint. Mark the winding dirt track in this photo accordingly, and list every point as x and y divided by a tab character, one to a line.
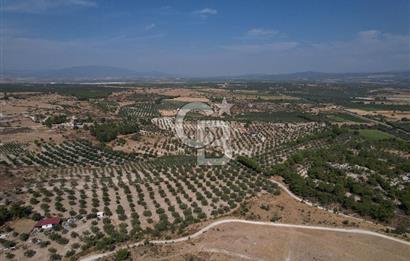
225	221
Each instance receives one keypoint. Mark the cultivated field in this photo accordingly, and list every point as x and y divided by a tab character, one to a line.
107	164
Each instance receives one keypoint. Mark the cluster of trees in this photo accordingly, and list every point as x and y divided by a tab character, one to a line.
122	254
404	197
58	238
327	184
370	204
250	163
106	240
57	119
278	116
13	211
106	132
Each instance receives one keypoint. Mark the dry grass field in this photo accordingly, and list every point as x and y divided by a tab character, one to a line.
390	115
253	242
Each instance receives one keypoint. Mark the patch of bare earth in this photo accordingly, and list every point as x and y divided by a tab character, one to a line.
11	178
190	99
390	115
284	209
254	242
168	113
23	225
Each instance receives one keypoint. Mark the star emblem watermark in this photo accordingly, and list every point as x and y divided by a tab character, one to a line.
204	137
224	107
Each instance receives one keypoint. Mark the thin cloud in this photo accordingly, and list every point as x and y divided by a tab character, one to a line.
365	51
150	27
205	12
369	35
261	32
266	47
38	6
82	2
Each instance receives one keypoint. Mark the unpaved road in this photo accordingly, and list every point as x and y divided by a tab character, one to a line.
216	223
225	221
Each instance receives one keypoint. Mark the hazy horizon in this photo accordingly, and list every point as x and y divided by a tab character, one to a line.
206	39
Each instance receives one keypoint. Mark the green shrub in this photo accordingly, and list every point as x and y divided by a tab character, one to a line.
250	163
122	254
29	253
55	257
70	253
7	243
23	236
10	255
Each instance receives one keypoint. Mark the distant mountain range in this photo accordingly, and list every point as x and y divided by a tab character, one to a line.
91	72
110	73
322	76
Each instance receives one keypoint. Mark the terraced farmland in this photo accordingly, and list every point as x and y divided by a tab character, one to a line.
139	110
68	153
257	139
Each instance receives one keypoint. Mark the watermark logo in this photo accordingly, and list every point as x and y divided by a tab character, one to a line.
206	132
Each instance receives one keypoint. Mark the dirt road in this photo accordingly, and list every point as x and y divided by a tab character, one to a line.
220	222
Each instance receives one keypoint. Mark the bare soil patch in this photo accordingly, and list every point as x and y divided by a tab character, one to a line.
254	242
285	209
190	99
168	113
22	225
390	115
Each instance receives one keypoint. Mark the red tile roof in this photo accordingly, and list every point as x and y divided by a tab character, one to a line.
48	221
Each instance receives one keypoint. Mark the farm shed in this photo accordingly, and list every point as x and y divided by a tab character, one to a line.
48	223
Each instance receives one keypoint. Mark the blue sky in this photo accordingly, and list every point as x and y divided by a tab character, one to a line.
203	38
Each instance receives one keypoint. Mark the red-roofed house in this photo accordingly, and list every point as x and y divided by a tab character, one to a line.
48	223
